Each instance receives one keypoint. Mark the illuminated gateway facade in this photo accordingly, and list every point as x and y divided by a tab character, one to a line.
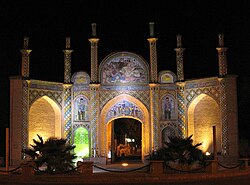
125	107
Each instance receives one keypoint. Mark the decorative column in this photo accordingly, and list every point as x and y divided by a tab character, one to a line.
94	55
222	56
153	54
179	59
25	91
67	61
25	58
182	131
96	132
154	119
67	108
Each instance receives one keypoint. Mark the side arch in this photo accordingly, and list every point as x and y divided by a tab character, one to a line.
103	126
203	114
44	119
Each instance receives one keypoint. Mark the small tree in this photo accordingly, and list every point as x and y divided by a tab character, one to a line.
55	153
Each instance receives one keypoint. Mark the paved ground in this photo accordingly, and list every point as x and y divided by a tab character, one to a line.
229	177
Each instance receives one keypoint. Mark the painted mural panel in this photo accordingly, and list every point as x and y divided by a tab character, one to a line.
168	108
123	70
167	77
124	108
81	109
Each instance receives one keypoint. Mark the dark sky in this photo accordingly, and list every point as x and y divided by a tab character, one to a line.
123	25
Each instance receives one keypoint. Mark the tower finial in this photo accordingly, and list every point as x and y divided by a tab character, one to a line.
67	42
93	26
25	42
151	29
178	37
221	39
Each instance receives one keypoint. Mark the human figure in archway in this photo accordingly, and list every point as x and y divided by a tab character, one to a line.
167	109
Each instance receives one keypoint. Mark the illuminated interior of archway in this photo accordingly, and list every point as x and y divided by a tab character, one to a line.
44	119
81	141
203	114
125	139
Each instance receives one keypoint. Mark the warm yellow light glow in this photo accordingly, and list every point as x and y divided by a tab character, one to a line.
124	164
44	119
207	153
203	113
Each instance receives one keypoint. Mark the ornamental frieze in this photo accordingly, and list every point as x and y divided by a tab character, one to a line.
35	94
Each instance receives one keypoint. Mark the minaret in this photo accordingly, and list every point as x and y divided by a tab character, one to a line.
154	91
94	55
25	58
153	54
67	61
179	59
222	56
97	148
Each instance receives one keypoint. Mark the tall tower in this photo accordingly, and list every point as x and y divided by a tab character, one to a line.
94	55
94	95
67	61
179	59
154	90
222	56
25	58
153	54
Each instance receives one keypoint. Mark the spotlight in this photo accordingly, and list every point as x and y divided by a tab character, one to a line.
124	164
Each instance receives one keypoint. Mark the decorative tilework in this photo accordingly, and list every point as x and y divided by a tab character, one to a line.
154	99
67	113
153	60
224	120
106	96
94	120
94	59
35	94
67	65
213	91
181	111
25	113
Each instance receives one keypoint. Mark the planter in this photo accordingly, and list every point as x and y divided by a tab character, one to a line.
156	167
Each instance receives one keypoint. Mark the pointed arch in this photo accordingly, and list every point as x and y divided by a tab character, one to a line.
203	114
44	119
81	141
103	127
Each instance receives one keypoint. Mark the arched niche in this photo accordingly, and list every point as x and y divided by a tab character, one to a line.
81	141
44	119
203	114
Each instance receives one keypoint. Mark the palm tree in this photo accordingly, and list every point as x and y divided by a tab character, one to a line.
55	153
180	150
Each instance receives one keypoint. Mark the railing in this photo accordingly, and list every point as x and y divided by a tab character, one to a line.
154	167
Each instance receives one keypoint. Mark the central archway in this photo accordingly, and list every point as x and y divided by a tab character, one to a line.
137	111
124	137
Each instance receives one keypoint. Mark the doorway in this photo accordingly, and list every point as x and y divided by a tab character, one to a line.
126	140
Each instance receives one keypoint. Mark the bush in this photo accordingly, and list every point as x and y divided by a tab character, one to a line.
180	150
54	153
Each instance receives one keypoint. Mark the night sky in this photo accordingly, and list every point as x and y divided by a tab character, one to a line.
123	26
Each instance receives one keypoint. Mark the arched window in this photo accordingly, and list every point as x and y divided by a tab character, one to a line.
166	133
81	141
